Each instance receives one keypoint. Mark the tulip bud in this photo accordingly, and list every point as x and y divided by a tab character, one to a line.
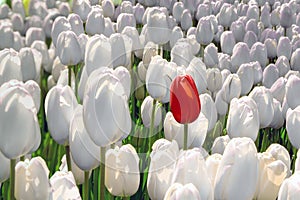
283	65
121	47
82	8
231	88
34	90
279	152
190	165
146	110
292	86
284	47
108	8
163	159
246	75
186	20
196	132
60	104
98	53
240	157
30	63
64	186
227	15
212	164
209	110
105	123
292	126
158	28
272	173
31	180
178	191
177	10
85	153
278	119
60	24
182	53
270	75
258	53
240	54
46	59
238	30
286	15
220	144
184	99
211	56
290	189
95	22
197	70
264	100
205	31
18	7
118	171
221	104
34	33
214	79
124	20
243	118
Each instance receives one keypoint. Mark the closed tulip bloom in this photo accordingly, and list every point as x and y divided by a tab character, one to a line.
240	157
278	89
250	39
227	15
178	191
60	24
163	159
108	8
6	33
264	100
283	65
279	152
126	7
292	86
186	20
18	7
32	180
18	22
211	58
292	126
138	11
121	46
209	110
47	59
176	34
246	75
284	47
34	33
212	164
271	46
158	27
275	17
124	20
272	173
122	174
177	10
203	10
240	54
290	189
196	132
197	70
214	79
184	99
190	165
133	34
30	63
35	91
227	42
85	153
76	23
159	77
253	12
259	53
95	22
182	53
220	144
243	118
270	75
98	53
238	30
146	110
221	104
231	88
4	169
295	60
105	109
82	8
18	105
60	104
278	119
10	66
286	15
63	186
205	31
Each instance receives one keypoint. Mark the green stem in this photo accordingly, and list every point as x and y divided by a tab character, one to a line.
12	179
70	76
152	123
68	157
102	173
185	136
126	198
86	185
22	158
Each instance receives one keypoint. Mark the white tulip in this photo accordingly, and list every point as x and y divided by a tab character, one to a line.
212	164
290	189
163	160
246	75
186	20
238	30
231	88
278	119
64	186
182	53
124	20
227	42
190	165
292	86
197	70
240	157
240	54
122	174
31	181
209	110
221	104
283	65
138	11
30	63
82	8
121	47
284	47
259	53
205	31
271	46
270	75
292	125
146	110
95	22
220	144
264	100
214	79
60	24
108	8
211	58
6	33
178	191
60	104
279	152
250	39
45	55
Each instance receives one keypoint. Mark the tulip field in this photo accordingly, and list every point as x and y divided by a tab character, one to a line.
150	99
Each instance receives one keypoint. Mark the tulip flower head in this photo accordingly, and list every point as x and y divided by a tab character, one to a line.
184	99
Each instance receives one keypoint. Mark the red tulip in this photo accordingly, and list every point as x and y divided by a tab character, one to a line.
184	99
